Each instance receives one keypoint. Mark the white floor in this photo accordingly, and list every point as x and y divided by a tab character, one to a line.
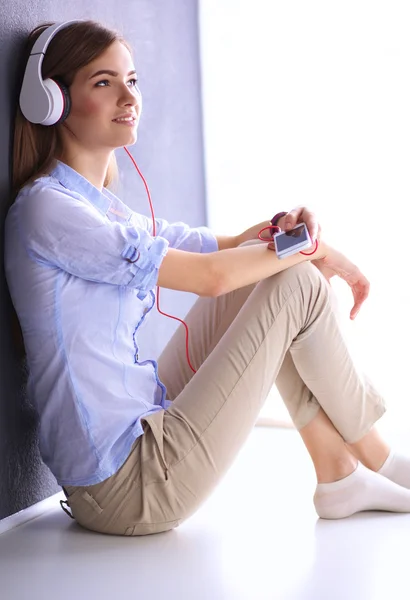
256	538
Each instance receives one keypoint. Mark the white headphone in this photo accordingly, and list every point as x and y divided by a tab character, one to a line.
46	102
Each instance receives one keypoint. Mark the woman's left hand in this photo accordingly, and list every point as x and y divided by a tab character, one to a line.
300	214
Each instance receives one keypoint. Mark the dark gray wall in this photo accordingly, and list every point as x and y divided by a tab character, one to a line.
164	36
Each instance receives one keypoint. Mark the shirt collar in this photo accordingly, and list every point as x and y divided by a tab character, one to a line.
72	180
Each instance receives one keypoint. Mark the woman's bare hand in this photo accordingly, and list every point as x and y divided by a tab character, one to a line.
301	214
335	263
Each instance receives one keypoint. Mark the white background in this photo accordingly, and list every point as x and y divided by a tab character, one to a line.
309	103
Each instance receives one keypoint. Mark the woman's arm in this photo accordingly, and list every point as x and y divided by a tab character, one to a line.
227	241
221	272
233	241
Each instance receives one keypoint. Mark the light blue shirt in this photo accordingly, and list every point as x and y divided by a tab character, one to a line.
80	303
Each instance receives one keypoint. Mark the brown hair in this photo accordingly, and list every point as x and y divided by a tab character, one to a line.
36	147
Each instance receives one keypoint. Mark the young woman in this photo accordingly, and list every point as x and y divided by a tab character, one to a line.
138	445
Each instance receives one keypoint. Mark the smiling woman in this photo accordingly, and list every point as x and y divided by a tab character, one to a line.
138	444
96	104
75	63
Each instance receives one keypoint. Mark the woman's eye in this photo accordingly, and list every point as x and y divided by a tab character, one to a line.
105	82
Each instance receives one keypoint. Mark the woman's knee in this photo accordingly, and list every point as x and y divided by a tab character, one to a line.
303	281
301	275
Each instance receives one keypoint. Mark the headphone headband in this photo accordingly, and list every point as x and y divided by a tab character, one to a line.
46	36
44	102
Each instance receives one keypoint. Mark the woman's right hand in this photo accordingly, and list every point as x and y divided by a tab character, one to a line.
336	263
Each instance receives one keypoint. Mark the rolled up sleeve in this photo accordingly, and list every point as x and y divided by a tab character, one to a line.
149	258
61	231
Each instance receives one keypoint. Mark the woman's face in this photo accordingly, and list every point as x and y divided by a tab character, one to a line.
103	93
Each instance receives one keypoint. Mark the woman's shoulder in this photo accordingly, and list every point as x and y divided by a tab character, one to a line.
42	191
39	199
40	184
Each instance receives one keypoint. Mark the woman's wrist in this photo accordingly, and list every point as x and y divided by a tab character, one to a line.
322	251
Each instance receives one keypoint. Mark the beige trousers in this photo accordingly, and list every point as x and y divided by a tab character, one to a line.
281	330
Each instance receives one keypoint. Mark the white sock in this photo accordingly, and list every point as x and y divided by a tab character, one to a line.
361	490
397	469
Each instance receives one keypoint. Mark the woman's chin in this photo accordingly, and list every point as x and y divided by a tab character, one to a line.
133	136
127	140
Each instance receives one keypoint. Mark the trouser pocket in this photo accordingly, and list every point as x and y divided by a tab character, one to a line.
156	424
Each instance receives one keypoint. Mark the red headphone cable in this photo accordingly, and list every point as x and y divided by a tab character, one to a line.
154	234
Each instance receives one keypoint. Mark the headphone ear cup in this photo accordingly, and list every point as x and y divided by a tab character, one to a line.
57	94
66	99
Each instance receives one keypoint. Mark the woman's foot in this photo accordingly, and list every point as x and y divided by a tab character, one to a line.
361	490
397	469
376	455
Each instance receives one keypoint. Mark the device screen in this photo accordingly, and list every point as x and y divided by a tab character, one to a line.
291	238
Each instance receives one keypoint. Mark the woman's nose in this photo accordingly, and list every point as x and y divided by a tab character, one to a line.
133	99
